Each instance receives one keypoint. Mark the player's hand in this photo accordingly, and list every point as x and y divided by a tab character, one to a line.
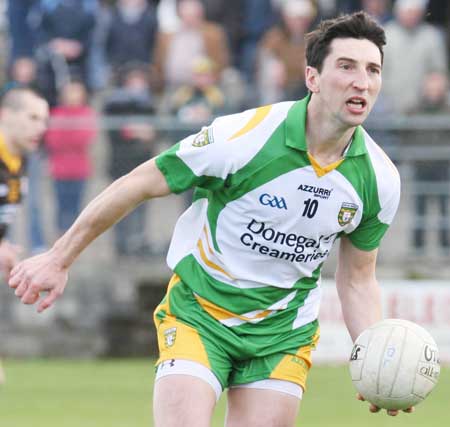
9	257
40	274
392	412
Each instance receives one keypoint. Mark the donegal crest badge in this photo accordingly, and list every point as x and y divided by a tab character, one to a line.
170	336
346	213
205	137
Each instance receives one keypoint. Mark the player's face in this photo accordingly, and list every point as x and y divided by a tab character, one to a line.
28	124
350	80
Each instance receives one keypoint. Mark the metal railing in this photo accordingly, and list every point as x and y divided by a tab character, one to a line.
407	140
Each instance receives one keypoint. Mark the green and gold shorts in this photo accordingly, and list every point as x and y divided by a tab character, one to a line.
187	332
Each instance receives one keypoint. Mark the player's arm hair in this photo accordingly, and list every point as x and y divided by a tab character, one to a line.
120	198
357	287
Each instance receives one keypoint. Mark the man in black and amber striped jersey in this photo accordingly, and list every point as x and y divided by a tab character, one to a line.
23	120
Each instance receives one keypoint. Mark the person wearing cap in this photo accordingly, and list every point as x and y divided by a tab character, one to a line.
281	59
200	100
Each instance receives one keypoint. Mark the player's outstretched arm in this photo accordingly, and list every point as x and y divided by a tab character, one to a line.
48	272
360	295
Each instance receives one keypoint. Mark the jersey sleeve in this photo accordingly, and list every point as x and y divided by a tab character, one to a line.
196	161
369	234
374	224
207	158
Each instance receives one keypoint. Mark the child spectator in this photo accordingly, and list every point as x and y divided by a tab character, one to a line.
72	131
202	99
23	71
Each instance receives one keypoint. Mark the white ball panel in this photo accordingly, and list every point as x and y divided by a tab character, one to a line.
406	372
391	359
394	364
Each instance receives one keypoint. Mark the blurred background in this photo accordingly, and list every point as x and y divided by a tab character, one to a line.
128	78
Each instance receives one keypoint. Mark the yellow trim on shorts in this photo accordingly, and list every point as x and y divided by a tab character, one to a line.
258	117
165	304
295	367
177	340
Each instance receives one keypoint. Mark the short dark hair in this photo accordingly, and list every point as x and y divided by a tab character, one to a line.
358	25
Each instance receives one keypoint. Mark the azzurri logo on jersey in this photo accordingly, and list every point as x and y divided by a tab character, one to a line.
272	201
323	193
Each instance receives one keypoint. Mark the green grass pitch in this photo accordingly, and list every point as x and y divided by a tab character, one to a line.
117	393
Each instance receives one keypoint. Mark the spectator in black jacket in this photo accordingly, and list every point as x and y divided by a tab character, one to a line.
131	32
20	35
64	31
130	145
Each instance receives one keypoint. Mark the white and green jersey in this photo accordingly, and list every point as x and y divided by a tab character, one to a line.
265	215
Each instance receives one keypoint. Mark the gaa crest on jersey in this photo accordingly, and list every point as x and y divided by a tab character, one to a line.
170	336
346	213
205	137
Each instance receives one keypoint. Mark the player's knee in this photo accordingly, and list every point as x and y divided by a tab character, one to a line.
248	406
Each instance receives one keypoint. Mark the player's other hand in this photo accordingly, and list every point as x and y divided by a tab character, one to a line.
9	256
392	412
40	274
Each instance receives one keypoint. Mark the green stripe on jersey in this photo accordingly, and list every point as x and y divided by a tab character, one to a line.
184	178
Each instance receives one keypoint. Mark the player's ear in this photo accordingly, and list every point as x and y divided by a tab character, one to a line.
312	79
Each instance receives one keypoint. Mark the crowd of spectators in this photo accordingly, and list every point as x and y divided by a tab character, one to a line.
196	59
260	42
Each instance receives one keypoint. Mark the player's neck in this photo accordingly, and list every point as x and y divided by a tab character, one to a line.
326	142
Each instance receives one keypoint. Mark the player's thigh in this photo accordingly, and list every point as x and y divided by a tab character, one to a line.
182	400
266	391
248	407
190	342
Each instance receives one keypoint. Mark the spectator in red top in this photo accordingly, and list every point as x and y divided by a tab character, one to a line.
72	131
